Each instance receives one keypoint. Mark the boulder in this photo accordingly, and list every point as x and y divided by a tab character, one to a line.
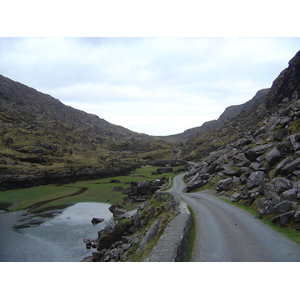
236	197
289	195
151	234
225	184
291	167
284	219
254	153
273	156
285	147
118	188
282	207
97	220
255	179
253	194
280	134
240	160
282	164
117	210
276	186
231	171
297	218
295	140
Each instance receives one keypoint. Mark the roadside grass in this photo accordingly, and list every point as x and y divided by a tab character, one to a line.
100	190
192	234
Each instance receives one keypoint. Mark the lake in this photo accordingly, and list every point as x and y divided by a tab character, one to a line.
54	235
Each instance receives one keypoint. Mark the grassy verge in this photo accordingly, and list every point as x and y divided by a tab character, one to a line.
192	234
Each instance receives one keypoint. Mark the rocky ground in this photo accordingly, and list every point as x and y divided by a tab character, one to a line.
130	238
261	169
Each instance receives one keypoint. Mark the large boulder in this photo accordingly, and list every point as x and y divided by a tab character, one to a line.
254	153
289	195
273	156
282	207
295	140
276	186
284	219
255	179
225	184
291	167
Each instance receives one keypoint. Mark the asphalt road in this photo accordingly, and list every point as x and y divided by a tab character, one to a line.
226	233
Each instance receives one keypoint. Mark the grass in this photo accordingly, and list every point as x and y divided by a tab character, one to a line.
192	234
100	190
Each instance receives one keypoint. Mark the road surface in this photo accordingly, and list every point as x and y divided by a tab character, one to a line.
226	233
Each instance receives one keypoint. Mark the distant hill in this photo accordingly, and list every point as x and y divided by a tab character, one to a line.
42	141
228	114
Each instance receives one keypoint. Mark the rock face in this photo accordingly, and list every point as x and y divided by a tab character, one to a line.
131	233
256	156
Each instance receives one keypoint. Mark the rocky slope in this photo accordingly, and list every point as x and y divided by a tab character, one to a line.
255	158
228	114
44	141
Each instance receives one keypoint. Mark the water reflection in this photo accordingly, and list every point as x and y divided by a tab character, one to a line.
57	232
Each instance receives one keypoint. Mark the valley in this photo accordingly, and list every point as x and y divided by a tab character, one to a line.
54	156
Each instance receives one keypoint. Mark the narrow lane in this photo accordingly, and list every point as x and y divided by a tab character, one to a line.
226	233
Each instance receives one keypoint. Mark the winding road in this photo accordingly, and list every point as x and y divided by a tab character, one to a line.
226	233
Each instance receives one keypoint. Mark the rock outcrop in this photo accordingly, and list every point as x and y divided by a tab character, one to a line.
259	163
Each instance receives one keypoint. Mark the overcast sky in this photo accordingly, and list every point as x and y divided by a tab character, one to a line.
158	86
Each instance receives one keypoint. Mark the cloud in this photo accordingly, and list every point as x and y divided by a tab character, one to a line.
158	86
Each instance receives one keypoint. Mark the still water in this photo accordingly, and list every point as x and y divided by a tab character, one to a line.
51	236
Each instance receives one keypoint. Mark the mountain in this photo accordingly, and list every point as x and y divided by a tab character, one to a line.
43	141
254	159
228	114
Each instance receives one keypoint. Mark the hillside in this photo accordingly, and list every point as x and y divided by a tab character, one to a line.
254	158
43	141
228	114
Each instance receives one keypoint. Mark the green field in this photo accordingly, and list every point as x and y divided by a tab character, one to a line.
100	190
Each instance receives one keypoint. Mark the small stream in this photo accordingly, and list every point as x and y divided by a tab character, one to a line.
54	235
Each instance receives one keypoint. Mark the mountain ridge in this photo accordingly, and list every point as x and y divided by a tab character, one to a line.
229	113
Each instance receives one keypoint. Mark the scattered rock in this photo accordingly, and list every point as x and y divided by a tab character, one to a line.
97	220
255	179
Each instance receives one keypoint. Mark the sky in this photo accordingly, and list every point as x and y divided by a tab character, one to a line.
157	67
157	86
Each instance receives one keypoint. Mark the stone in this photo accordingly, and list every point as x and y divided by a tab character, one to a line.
254	153
284	219
285	147
229	170
273	156
255	179
225	184
118	188
253	194
240	160
97	220
289	195
276	186
264	206
282	207
291	167
295	140
280	134
282	164
236	197
150	235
